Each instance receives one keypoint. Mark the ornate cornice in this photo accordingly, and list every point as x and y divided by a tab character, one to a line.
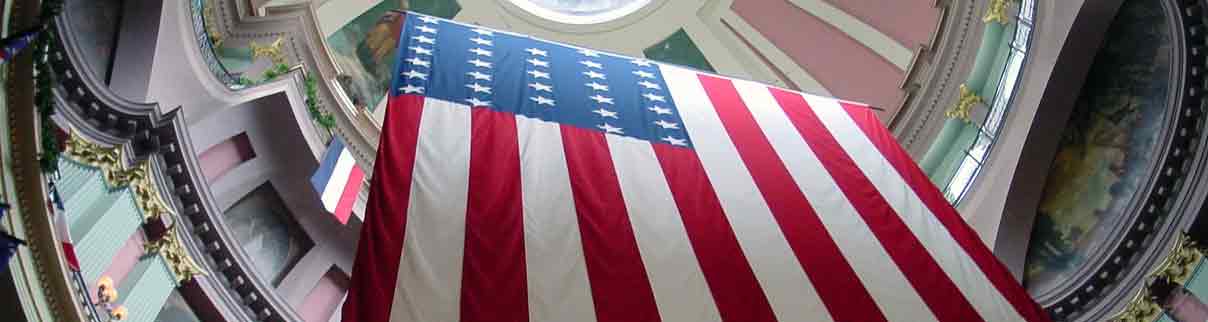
118	175
169	247
1177	268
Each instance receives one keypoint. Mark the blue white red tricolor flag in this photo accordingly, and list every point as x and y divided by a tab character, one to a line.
525	180
338	180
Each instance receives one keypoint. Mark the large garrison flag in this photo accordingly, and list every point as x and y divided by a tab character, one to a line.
519	179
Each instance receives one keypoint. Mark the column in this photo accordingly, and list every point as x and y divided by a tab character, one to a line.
146	289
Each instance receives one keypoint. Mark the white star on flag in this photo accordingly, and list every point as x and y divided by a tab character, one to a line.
483	32
643	74
605	113
601	99
415	74
411	89
675	141
427	19
421	50
538	74
648	84
591	64
541	87
479	63
597	86
479	76
424	40
594	74
426	29
418	62
653	97
481	42
589	53
538	62
536	52
477	102
610	129
660	110
641	62
481	52
666	125
541	100
479	88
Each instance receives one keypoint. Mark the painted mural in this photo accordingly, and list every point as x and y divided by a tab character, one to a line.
365	47
1107	149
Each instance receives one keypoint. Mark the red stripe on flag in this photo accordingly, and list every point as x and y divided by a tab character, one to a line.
73	262
832	276
933	285
620	287
494	285
947	215
375	270
733	284
349	196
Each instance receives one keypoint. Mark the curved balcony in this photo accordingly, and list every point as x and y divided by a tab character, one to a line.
967	138
232	292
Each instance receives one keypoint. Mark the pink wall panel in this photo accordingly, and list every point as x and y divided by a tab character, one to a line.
321	302
123	262
226	155
847	68
910	22
763	58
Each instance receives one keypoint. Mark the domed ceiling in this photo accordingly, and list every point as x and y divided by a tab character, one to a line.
1109	149
856	50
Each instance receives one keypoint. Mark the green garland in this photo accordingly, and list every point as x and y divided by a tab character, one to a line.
275	71
43	83
324	119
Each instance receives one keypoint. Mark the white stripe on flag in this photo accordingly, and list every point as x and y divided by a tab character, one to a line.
789	291
884	281
429	274
339	178
558	288
976	287
675	275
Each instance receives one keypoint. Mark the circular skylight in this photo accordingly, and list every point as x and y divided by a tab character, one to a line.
581	12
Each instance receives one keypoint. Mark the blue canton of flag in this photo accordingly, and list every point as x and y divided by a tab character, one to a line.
538	79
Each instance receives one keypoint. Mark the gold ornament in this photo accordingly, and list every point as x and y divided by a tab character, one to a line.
997	12
117	175
1177	268
174	253
271	51
964	105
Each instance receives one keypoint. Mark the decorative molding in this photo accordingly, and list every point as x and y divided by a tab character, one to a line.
1146	242
1141	308
169	247
1176	268
117	175
272	51
997	13
964	105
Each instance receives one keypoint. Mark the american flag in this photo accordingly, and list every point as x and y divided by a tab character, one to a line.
519	179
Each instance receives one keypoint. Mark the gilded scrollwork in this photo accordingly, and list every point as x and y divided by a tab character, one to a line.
997	13
1178	267
272	51
116	174
964	105
168	246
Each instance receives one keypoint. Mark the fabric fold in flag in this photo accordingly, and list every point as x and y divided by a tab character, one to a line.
519	179
338	180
